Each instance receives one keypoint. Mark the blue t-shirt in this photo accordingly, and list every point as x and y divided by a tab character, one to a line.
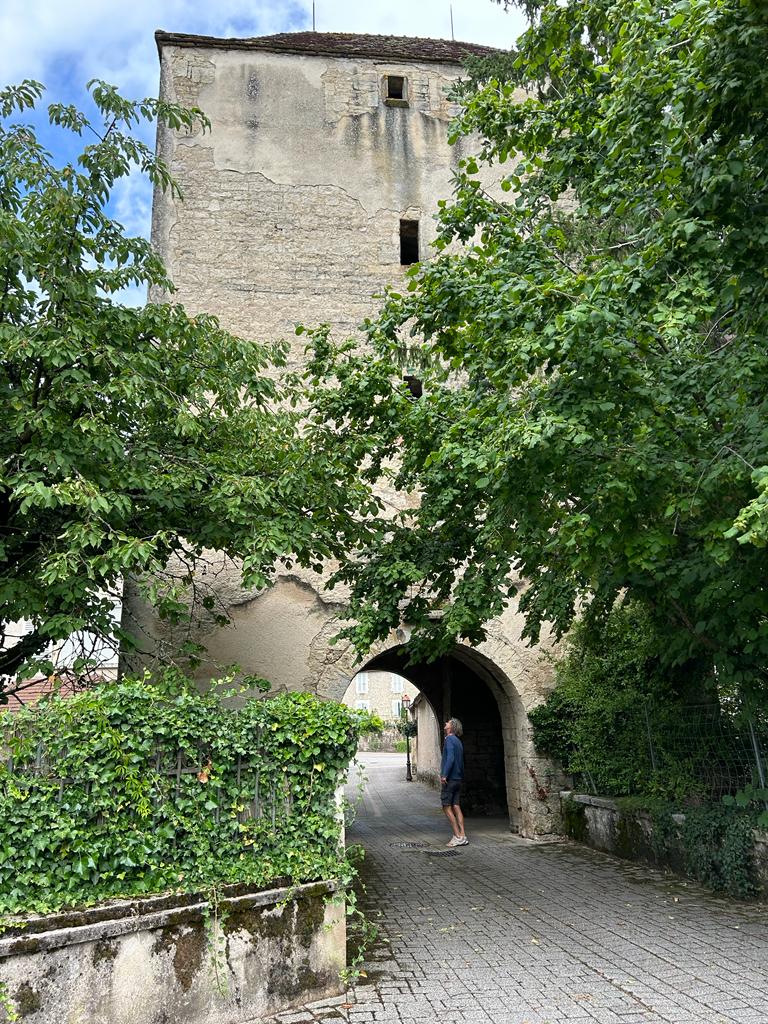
452	764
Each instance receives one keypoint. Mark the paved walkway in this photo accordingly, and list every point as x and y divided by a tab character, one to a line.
506	931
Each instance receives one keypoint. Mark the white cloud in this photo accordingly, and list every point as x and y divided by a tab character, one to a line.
87	38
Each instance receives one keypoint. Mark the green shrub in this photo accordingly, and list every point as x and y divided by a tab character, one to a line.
595	720
146	786
716	843
616	722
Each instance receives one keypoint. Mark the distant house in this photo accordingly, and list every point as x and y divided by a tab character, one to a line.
41	686
381	693
100	656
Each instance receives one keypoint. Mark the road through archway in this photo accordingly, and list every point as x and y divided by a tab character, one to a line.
454	687
509	931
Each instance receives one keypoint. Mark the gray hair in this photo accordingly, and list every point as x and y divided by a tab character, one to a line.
456	727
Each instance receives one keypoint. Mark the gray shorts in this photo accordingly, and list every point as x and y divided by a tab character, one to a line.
449	792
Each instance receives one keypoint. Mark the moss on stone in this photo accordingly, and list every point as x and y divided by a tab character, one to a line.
630	841
188	945
189	955
27	999
575	821
104	951
271	924
25	946
311	918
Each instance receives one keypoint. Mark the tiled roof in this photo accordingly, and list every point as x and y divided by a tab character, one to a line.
339	44
64	684
32	691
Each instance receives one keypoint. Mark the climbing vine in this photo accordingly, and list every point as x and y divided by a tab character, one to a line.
717	845
7	1004
149	786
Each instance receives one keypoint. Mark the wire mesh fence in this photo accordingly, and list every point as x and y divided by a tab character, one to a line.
702	751
723	754
249	783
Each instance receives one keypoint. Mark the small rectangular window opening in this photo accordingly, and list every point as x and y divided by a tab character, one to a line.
409	242
395	87
414	385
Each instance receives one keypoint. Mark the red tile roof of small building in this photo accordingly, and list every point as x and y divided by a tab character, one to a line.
32	691
339	44
64	684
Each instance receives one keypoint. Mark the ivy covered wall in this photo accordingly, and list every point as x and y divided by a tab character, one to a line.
149	786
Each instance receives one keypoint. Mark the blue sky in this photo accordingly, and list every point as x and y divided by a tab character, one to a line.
63	45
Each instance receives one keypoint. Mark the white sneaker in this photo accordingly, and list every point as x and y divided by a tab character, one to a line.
455	841
463	841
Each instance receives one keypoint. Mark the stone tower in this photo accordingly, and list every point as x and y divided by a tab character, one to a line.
316	188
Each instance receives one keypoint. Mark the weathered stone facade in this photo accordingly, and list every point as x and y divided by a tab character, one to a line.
292	213
293	202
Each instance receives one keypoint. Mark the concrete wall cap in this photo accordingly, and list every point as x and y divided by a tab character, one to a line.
592	801
37	934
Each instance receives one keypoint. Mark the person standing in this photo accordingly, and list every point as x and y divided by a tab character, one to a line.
451	778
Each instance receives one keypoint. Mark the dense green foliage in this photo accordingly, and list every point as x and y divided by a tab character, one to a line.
408	726
619	721
625	723
591	333
132	440
610	690
717	848
94	805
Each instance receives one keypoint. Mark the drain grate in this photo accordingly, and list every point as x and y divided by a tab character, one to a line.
442	853
408	846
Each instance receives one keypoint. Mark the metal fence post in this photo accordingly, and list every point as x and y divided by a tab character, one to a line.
651	748
759	760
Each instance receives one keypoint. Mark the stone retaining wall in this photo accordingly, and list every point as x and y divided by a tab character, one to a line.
600	823
174	960
381	742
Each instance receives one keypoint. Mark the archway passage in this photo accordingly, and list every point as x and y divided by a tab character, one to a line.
454	688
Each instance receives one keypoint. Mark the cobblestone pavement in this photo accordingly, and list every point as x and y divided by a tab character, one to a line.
512	932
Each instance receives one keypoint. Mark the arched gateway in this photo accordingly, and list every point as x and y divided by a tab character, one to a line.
489	689
317	187
462	685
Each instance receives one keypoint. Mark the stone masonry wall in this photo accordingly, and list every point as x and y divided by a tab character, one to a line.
291	213
292	203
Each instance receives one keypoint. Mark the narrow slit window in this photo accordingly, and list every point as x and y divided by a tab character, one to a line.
395	87
414	384
409	242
